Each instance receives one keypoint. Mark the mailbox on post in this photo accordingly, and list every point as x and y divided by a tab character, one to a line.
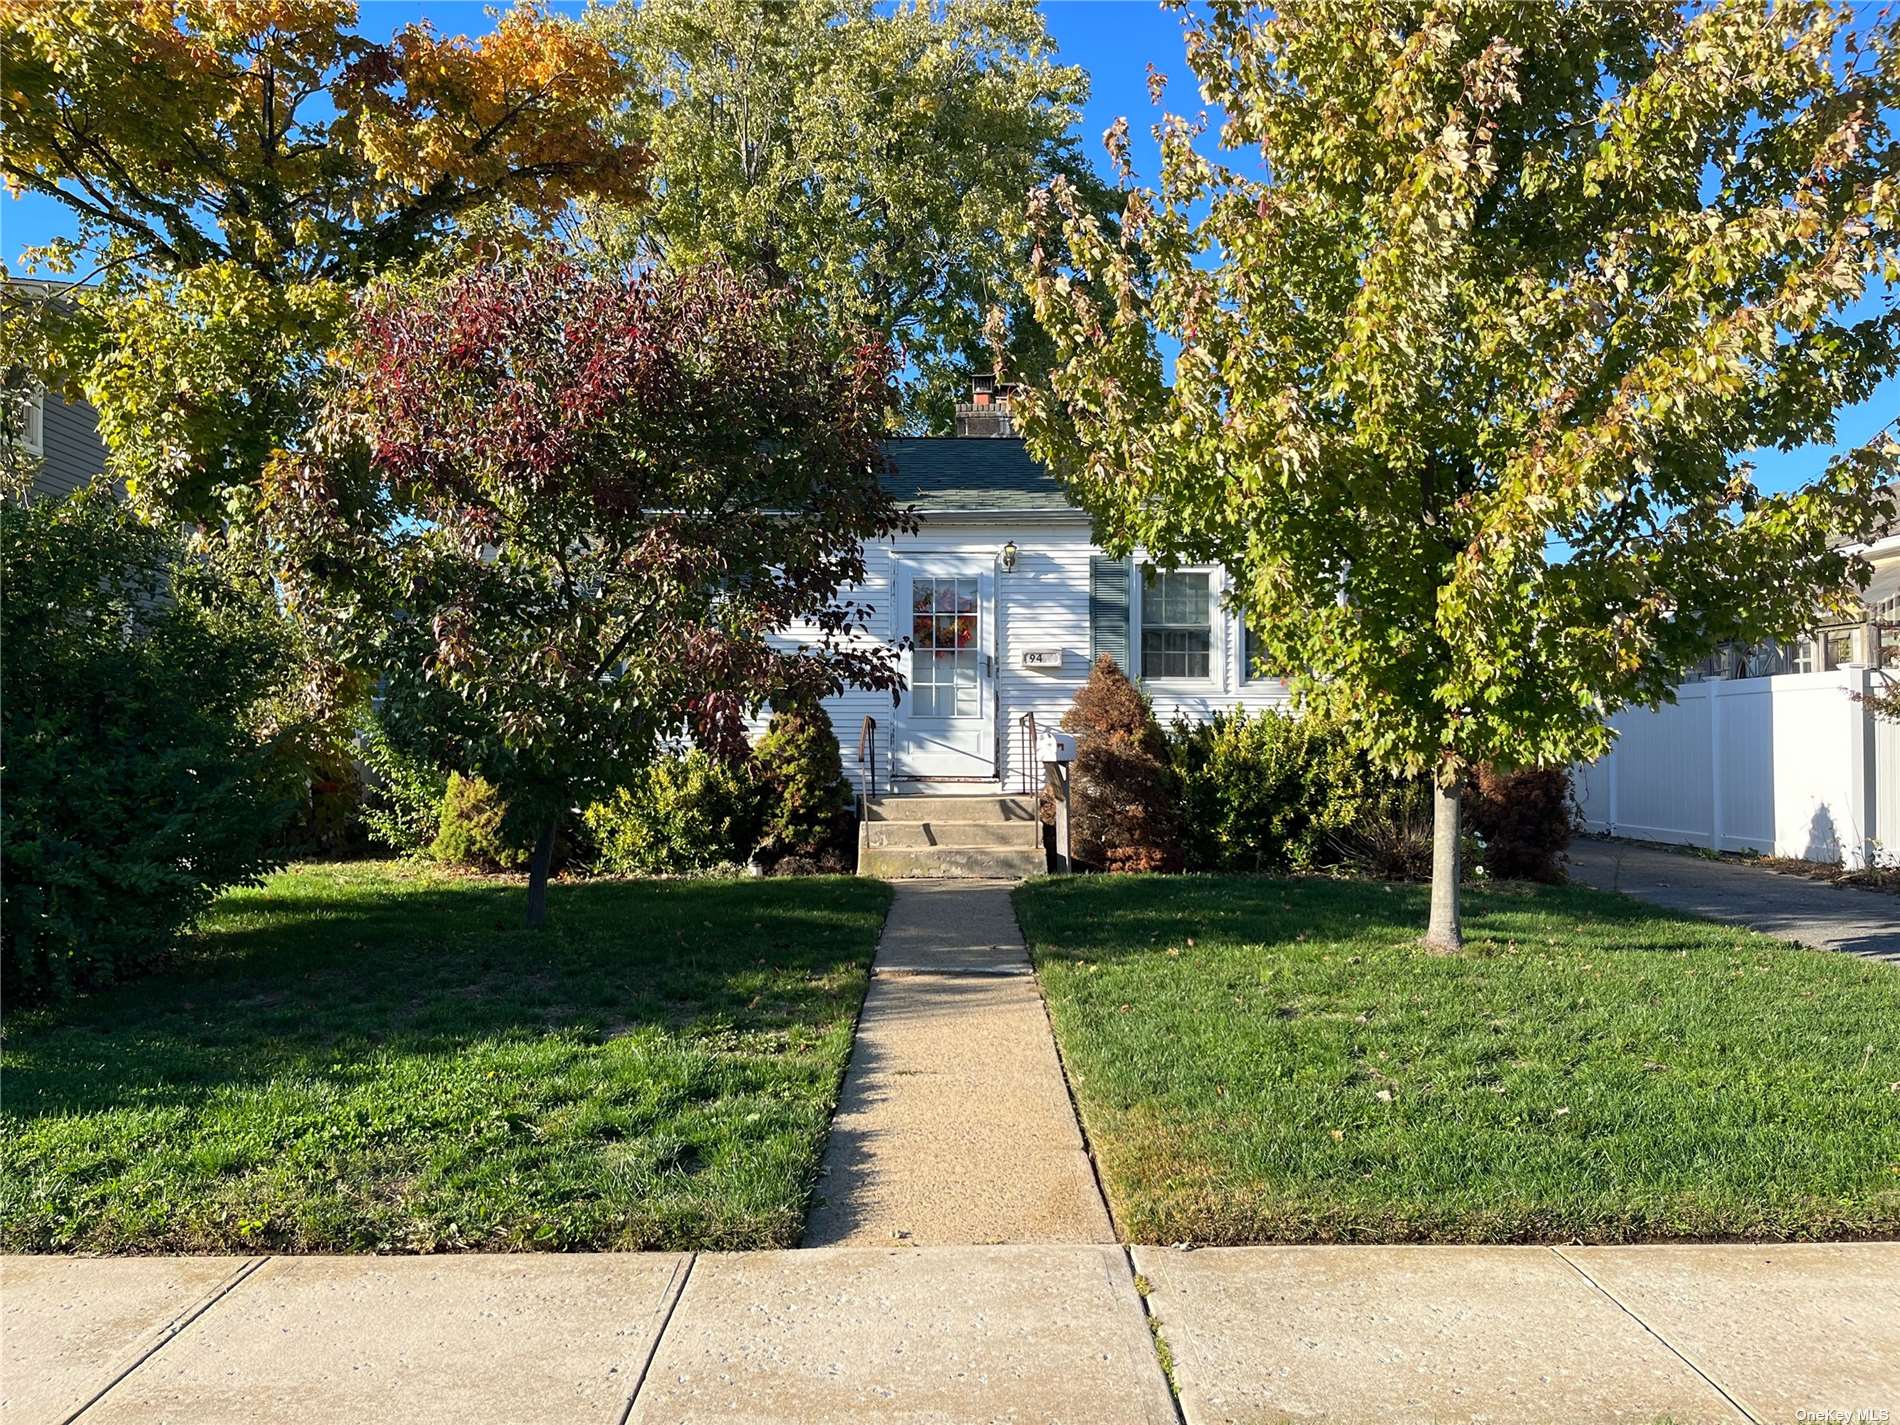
1057	751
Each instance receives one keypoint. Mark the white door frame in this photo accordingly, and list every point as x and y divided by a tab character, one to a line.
920	750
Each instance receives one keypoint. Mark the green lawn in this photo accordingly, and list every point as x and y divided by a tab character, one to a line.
373	1057
1278	1061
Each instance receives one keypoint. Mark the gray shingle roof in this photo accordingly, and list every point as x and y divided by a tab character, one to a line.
938	473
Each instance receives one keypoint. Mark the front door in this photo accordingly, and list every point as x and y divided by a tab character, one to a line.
946	722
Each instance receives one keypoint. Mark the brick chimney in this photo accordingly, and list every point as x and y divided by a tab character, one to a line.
986	413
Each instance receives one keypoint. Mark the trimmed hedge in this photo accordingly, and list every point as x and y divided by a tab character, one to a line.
1266	791
1275	792
808	822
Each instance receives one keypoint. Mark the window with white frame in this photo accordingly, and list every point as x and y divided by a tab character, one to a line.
1177	624
26	415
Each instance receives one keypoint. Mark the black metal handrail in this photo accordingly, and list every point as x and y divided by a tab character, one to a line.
1026	743
867	752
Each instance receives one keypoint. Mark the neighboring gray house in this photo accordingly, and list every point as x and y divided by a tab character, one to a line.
1867	639
61	436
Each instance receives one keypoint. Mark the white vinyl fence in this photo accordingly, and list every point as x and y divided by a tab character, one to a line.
1785	766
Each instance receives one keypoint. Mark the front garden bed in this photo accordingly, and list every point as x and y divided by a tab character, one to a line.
377	1057
1279	1061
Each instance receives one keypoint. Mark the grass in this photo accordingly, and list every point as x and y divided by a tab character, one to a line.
1279	1061
373	1057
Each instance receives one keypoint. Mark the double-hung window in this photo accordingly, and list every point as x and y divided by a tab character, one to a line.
1177	624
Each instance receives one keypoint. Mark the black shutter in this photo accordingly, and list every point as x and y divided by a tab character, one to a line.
1108	610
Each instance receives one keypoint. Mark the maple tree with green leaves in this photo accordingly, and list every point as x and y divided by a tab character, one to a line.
1478	306
875	159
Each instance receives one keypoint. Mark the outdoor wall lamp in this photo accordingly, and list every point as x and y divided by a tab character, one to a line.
1009	557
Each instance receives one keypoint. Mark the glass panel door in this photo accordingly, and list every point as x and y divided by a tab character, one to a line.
947	640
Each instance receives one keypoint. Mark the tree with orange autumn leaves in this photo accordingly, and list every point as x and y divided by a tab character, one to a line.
239	169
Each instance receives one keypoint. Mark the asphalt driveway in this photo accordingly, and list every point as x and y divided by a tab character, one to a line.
1814	913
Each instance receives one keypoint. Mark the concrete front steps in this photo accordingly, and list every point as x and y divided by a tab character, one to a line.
940	836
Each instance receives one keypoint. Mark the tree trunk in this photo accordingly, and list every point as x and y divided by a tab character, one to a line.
538	870
1445	932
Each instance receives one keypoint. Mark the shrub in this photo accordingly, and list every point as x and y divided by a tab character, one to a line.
1272	791
1389	834
134	789
807	821
1267	791
1123	813
310	720
686	814
403	794
1524	819
327	789
476	830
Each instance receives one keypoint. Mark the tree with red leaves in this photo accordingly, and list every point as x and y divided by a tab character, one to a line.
568	517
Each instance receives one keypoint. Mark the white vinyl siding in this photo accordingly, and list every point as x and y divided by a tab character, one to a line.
1041	606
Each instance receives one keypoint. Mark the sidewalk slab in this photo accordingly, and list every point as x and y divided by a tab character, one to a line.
943	927
908	1337
1381	1334
954	1125
1781	1328
512	1340
69	1326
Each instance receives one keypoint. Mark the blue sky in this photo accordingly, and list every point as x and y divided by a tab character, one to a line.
1115	40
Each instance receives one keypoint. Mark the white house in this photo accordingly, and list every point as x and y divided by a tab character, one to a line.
1008	602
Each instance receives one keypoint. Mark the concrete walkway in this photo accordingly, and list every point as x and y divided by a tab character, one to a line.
1794	908
1024	1334
954	1126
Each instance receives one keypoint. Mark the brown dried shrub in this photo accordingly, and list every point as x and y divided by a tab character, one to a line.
1124	795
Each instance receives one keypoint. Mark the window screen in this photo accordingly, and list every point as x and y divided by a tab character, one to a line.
1177	631
1253	651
